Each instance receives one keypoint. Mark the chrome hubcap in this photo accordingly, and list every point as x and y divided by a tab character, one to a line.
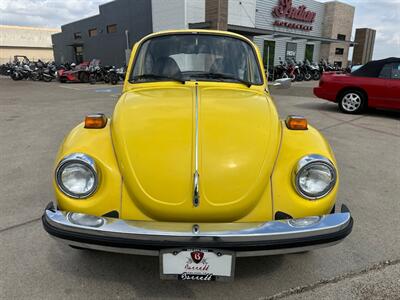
351	102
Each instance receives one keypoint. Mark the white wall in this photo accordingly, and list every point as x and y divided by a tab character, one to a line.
168	14
176	14
242	12
195	11
17	36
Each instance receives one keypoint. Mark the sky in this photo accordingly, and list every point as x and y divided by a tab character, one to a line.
382	15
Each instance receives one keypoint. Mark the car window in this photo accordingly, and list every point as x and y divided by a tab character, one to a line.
390	71
196	57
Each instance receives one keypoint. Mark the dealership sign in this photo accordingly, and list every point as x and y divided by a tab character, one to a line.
285	9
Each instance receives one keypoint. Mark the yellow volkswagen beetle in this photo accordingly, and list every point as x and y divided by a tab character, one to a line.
194	165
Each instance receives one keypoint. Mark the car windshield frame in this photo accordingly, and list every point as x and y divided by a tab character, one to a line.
202	78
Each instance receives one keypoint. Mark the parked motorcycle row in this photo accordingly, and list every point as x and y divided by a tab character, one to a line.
301	71
25	69
88	72
91	72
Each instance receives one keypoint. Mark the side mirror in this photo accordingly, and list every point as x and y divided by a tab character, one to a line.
283	83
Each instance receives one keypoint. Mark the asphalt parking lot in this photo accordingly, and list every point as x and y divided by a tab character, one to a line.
35	116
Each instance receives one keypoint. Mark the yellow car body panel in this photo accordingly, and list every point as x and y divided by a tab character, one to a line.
296	144
146	154
97	143
153	133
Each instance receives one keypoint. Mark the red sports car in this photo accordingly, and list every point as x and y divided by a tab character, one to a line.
376	84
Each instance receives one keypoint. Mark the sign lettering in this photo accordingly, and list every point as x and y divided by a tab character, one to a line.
285	9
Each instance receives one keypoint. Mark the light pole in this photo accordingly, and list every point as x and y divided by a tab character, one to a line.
127	50
127	38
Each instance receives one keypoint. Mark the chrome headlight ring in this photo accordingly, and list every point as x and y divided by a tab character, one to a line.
307	163
77	159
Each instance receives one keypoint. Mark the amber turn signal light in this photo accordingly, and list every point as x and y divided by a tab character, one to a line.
296	123
95	121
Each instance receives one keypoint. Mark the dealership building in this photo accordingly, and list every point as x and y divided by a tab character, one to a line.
282	29
33	42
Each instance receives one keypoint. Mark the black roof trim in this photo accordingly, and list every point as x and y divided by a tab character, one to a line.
373	68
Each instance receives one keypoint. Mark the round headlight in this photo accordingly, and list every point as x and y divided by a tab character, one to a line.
76	175
315	177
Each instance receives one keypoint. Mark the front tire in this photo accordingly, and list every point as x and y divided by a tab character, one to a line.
307	76
83	77
300	77
114	79
317	76
352	102
92	79
47	78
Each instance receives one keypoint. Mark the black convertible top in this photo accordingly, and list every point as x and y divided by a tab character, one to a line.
373	68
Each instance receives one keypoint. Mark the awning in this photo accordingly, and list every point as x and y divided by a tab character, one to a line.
254	31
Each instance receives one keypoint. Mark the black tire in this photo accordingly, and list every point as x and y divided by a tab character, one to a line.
300	77
114	79
47	78
317	76
15	76
106	78
307	76
84	77
92	78
62	80
35	76
352	102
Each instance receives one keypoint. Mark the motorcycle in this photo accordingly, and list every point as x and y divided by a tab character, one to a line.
21	71
116	75
95	71
294	71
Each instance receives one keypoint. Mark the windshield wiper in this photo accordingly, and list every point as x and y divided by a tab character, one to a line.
223	76
156	76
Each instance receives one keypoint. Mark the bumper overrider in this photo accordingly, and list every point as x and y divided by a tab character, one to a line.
246	239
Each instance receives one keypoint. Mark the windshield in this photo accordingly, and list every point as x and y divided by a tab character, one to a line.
196	57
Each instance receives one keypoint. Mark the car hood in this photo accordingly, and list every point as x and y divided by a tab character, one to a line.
154	134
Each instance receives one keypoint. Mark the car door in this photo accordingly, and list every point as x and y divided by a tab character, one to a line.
391	95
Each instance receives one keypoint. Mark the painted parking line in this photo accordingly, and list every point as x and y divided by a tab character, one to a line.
69	87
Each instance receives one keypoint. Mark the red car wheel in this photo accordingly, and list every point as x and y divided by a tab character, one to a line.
352	102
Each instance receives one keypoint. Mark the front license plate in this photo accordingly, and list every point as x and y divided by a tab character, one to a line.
197	264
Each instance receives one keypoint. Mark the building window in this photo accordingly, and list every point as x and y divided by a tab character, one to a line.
112	28
309	53
339	51
338	64
341	37
77	35
291	50
93	32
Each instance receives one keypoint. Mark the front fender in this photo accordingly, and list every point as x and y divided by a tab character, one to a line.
96	143
294	145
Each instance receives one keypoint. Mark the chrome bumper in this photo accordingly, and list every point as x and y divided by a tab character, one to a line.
246	239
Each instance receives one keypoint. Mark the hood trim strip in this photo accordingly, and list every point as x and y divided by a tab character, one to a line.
196	194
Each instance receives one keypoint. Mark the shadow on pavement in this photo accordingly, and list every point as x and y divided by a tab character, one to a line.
112	267
332	107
